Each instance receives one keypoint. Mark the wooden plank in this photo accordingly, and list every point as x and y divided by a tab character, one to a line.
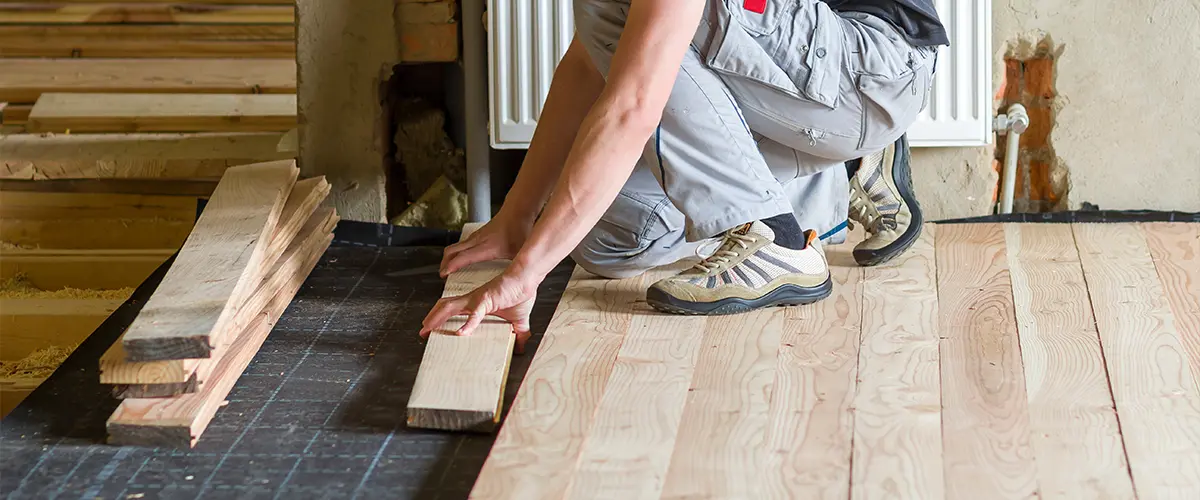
201	2
897	419
15	149
32	324
628	449
537	448
15	390
162	113
1152	385
127	48
188	374
447	397
811	429
133	233
100	206
1075	435
89	269
985	414
120	172
147	34
158	13
725	423
164	378
215	268
1175	249
24	80
15	114
180	420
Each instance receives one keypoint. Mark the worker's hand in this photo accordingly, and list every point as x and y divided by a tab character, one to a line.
500	238
507	296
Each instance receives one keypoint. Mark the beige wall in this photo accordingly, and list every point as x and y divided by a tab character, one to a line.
1128	80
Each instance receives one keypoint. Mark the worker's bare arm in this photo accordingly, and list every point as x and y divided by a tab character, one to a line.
576	85
609	142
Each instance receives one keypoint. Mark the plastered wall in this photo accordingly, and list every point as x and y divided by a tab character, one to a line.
1128	130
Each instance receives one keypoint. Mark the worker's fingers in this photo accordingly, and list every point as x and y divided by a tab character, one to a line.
468	256
481	309
451	252
444	309
521	330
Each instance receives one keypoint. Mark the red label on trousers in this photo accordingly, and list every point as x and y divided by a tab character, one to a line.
758	6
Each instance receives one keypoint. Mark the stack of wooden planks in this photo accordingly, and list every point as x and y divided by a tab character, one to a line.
256	241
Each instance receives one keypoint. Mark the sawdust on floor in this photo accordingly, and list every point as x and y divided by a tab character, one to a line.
19	287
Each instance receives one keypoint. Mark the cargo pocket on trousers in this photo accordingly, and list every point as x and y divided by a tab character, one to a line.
635	222
890	105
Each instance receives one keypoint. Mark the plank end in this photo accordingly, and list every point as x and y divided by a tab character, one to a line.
453	420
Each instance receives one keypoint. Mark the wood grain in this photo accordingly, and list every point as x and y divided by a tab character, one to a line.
535	453
32	324
282	265
180	420
32	206
1075	434
157	13
85	269
897	418
162	113
167	146
100	47
147	34
628	450
1175	249
216	268
86	233
24	80
149	377
720	446
811	421
446	397
1153	387
985	409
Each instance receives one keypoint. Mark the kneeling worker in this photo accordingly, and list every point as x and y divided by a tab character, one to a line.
744	132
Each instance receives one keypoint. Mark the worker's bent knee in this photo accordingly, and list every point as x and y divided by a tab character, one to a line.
610	252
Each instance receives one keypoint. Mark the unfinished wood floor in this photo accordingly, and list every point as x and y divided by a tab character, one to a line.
990	361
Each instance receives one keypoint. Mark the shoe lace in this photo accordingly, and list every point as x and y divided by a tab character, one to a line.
864	211
729	250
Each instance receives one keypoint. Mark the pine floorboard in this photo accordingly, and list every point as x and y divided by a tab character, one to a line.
988	361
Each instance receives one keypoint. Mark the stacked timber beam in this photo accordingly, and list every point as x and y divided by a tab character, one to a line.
144	90
258	238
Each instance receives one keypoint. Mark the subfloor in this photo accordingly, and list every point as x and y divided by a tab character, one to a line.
992	361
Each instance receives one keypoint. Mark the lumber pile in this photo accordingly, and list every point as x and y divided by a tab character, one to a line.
258	238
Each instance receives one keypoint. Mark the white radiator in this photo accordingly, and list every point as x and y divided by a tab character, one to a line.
526	38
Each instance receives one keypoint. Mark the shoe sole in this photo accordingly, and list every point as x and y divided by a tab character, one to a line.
785	295
868	258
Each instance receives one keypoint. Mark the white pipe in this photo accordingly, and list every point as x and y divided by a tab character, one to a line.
1015	123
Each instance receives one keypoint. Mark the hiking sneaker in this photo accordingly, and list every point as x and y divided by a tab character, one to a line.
748	271
882	200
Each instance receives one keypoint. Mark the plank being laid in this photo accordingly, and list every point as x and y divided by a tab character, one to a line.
444	396
162	113
24	80
985	409
216	267
537	448
628	449
1175	248
811	426
897	446
285	273
1075	435
1153	387
185	375
180	420
158	13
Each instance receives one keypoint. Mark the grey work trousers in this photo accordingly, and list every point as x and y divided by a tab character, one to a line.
764	112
